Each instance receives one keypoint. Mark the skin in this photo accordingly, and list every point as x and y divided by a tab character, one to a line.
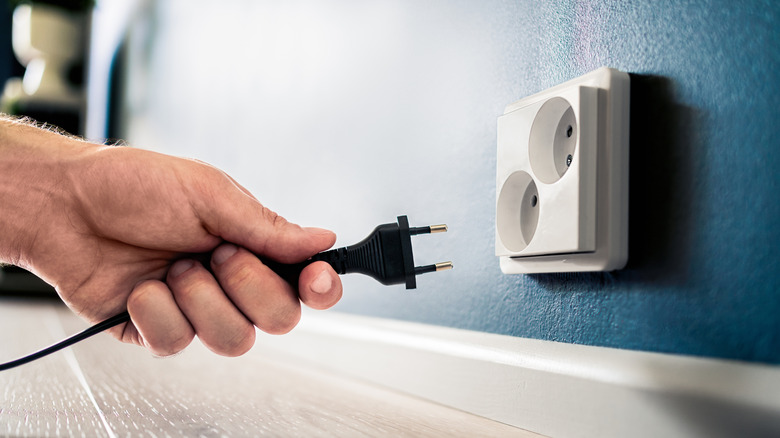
175	242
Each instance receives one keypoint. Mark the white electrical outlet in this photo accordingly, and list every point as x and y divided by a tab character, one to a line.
562	177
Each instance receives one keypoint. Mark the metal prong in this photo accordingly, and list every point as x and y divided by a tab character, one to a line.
443	266
427	229
439	228
424	269
432	268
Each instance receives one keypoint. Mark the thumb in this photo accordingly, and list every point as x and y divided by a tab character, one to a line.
237	217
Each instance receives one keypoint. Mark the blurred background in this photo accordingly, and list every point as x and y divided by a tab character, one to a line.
345	114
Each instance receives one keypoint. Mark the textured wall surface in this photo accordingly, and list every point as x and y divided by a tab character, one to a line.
344	114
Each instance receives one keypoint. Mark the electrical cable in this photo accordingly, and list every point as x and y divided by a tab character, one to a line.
91	331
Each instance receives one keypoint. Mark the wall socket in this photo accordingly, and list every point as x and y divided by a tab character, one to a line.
562	177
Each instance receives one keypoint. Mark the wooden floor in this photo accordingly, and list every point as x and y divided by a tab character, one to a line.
101	387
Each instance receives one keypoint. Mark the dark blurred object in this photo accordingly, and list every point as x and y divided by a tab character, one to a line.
9	66
70	5
49	39
18	282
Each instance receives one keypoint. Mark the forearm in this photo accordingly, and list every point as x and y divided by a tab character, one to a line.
33	184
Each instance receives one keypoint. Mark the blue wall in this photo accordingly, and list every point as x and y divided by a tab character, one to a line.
364	112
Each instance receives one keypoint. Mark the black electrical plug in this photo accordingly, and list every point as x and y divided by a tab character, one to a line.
386	255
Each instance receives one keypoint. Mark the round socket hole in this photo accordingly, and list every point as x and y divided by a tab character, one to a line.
517	213
552	140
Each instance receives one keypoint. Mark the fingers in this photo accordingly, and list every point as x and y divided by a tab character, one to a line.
267	300
319	286
223	311
231	213
163	328
219	324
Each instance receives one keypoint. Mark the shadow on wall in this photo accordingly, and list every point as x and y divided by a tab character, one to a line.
712	418
662	194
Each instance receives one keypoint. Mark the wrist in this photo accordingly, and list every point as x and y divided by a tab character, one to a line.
34	186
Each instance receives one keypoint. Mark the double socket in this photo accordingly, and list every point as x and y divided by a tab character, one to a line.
562	177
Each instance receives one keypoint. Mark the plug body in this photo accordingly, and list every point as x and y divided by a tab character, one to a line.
385	255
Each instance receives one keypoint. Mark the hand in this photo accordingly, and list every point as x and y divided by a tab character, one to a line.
116	228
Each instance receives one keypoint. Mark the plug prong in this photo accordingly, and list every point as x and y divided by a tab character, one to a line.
428	230
443	266
438	228
424	269
432	268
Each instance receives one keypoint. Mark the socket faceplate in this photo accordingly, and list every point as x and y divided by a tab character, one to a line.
562	177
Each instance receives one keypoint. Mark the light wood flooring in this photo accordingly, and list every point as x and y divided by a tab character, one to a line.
102	387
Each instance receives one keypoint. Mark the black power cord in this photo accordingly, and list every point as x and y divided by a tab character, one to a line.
95	329
386	255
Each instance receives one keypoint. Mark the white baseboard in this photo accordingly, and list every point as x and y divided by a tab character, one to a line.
555	389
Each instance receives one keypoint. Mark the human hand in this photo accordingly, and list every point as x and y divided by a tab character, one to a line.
115	228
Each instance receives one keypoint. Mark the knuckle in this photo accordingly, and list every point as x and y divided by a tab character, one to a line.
181	342
185	292
240	343
283	321
190	271
240	277
273	218
143	294
190	285
170	347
